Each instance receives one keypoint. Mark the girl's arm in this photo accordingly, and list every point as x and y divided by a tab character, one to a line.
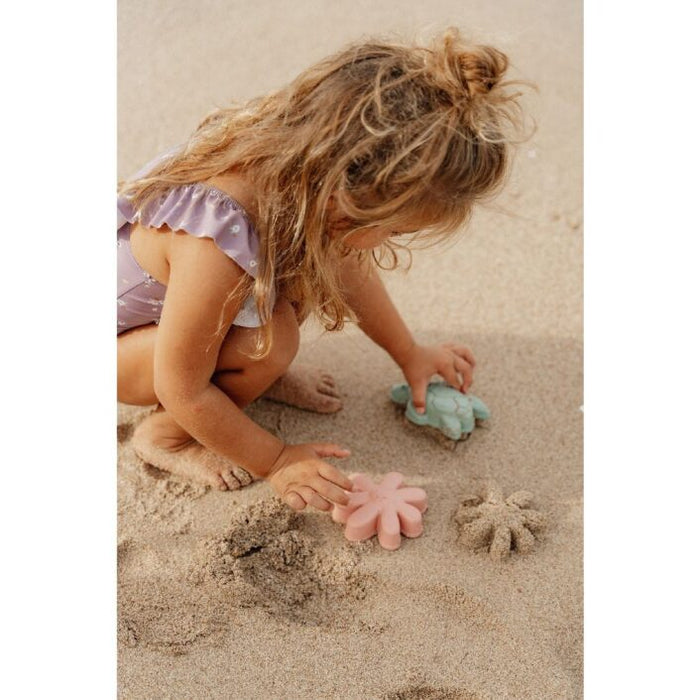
377	316
188	343
187	348
380	321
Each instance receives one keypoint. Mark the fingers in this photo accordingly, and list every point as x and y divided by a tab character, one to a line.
466	370
449	373
313	498
463	364
307	480
322	489
329	450
330	491
463	352
302	477
302	496
335	476
418	390
294	500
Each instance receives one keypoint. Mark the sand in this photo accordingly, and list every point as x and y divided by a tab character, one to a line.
233	595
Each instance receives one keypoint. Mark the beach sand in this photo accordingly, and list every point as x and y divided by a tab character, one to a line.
231	594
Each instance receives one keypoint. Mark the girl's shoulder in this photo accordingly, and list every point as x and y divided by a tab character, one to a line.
203	210
238	189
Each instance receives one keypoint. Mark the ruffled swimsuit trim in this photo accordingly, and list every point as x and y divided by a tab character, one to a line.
205	212
200	210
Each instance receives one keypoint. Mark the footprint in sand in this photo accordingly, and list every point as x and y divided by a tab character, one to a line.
498	525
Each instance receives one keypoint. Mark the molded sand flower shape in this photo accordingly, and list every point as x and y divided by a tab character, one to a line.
383	509
499	525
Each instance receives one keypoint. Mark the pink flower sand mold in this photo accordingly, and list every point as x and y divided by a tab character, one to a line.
383	509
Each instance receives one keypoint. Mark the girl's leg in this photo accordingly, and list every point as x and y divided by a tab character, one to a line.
165	444
302	386
306	386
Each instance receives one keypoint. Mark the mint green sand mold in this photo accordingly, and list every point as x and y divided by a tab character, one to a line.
454	414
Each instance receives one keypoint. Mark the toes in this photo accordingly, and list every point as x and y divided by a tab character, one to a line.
232	482
328	404
242	475
328	388
236	477
307	388
328	391
217	482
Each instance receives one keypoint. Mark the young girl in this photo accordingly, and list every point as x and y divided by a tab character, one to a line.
285	207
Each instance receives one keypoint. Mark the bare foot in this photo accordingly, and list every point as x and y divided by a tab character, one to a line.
189	459
306	387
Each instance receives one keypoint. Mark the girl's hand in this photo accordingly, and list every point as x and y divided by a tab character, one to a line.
300	478
454	363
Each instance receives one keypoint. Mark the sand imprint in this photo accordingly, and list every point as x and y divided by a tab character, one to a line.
265	560
498	525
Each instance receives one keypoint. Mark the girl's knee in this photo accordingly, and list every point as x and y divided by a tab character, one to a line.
241	344
243	377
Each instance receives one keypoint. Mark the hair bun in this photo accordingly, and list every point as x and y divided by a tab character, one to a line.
474	69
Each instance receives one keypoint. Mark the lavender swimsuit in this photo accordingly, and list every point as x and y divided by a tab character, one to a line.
200	210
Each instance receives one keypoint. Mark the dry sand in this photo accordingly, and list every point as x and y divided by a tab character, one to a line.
231	595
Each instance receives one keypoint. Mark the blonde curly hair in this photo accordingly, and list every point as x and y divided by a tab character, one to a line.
396	132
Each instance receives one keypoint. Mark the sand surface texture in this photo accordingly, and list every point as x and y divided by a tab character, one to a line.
233	595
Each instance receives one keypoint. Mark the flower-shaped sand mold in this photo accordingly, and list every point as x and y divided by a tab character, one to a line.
499	525
386	509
